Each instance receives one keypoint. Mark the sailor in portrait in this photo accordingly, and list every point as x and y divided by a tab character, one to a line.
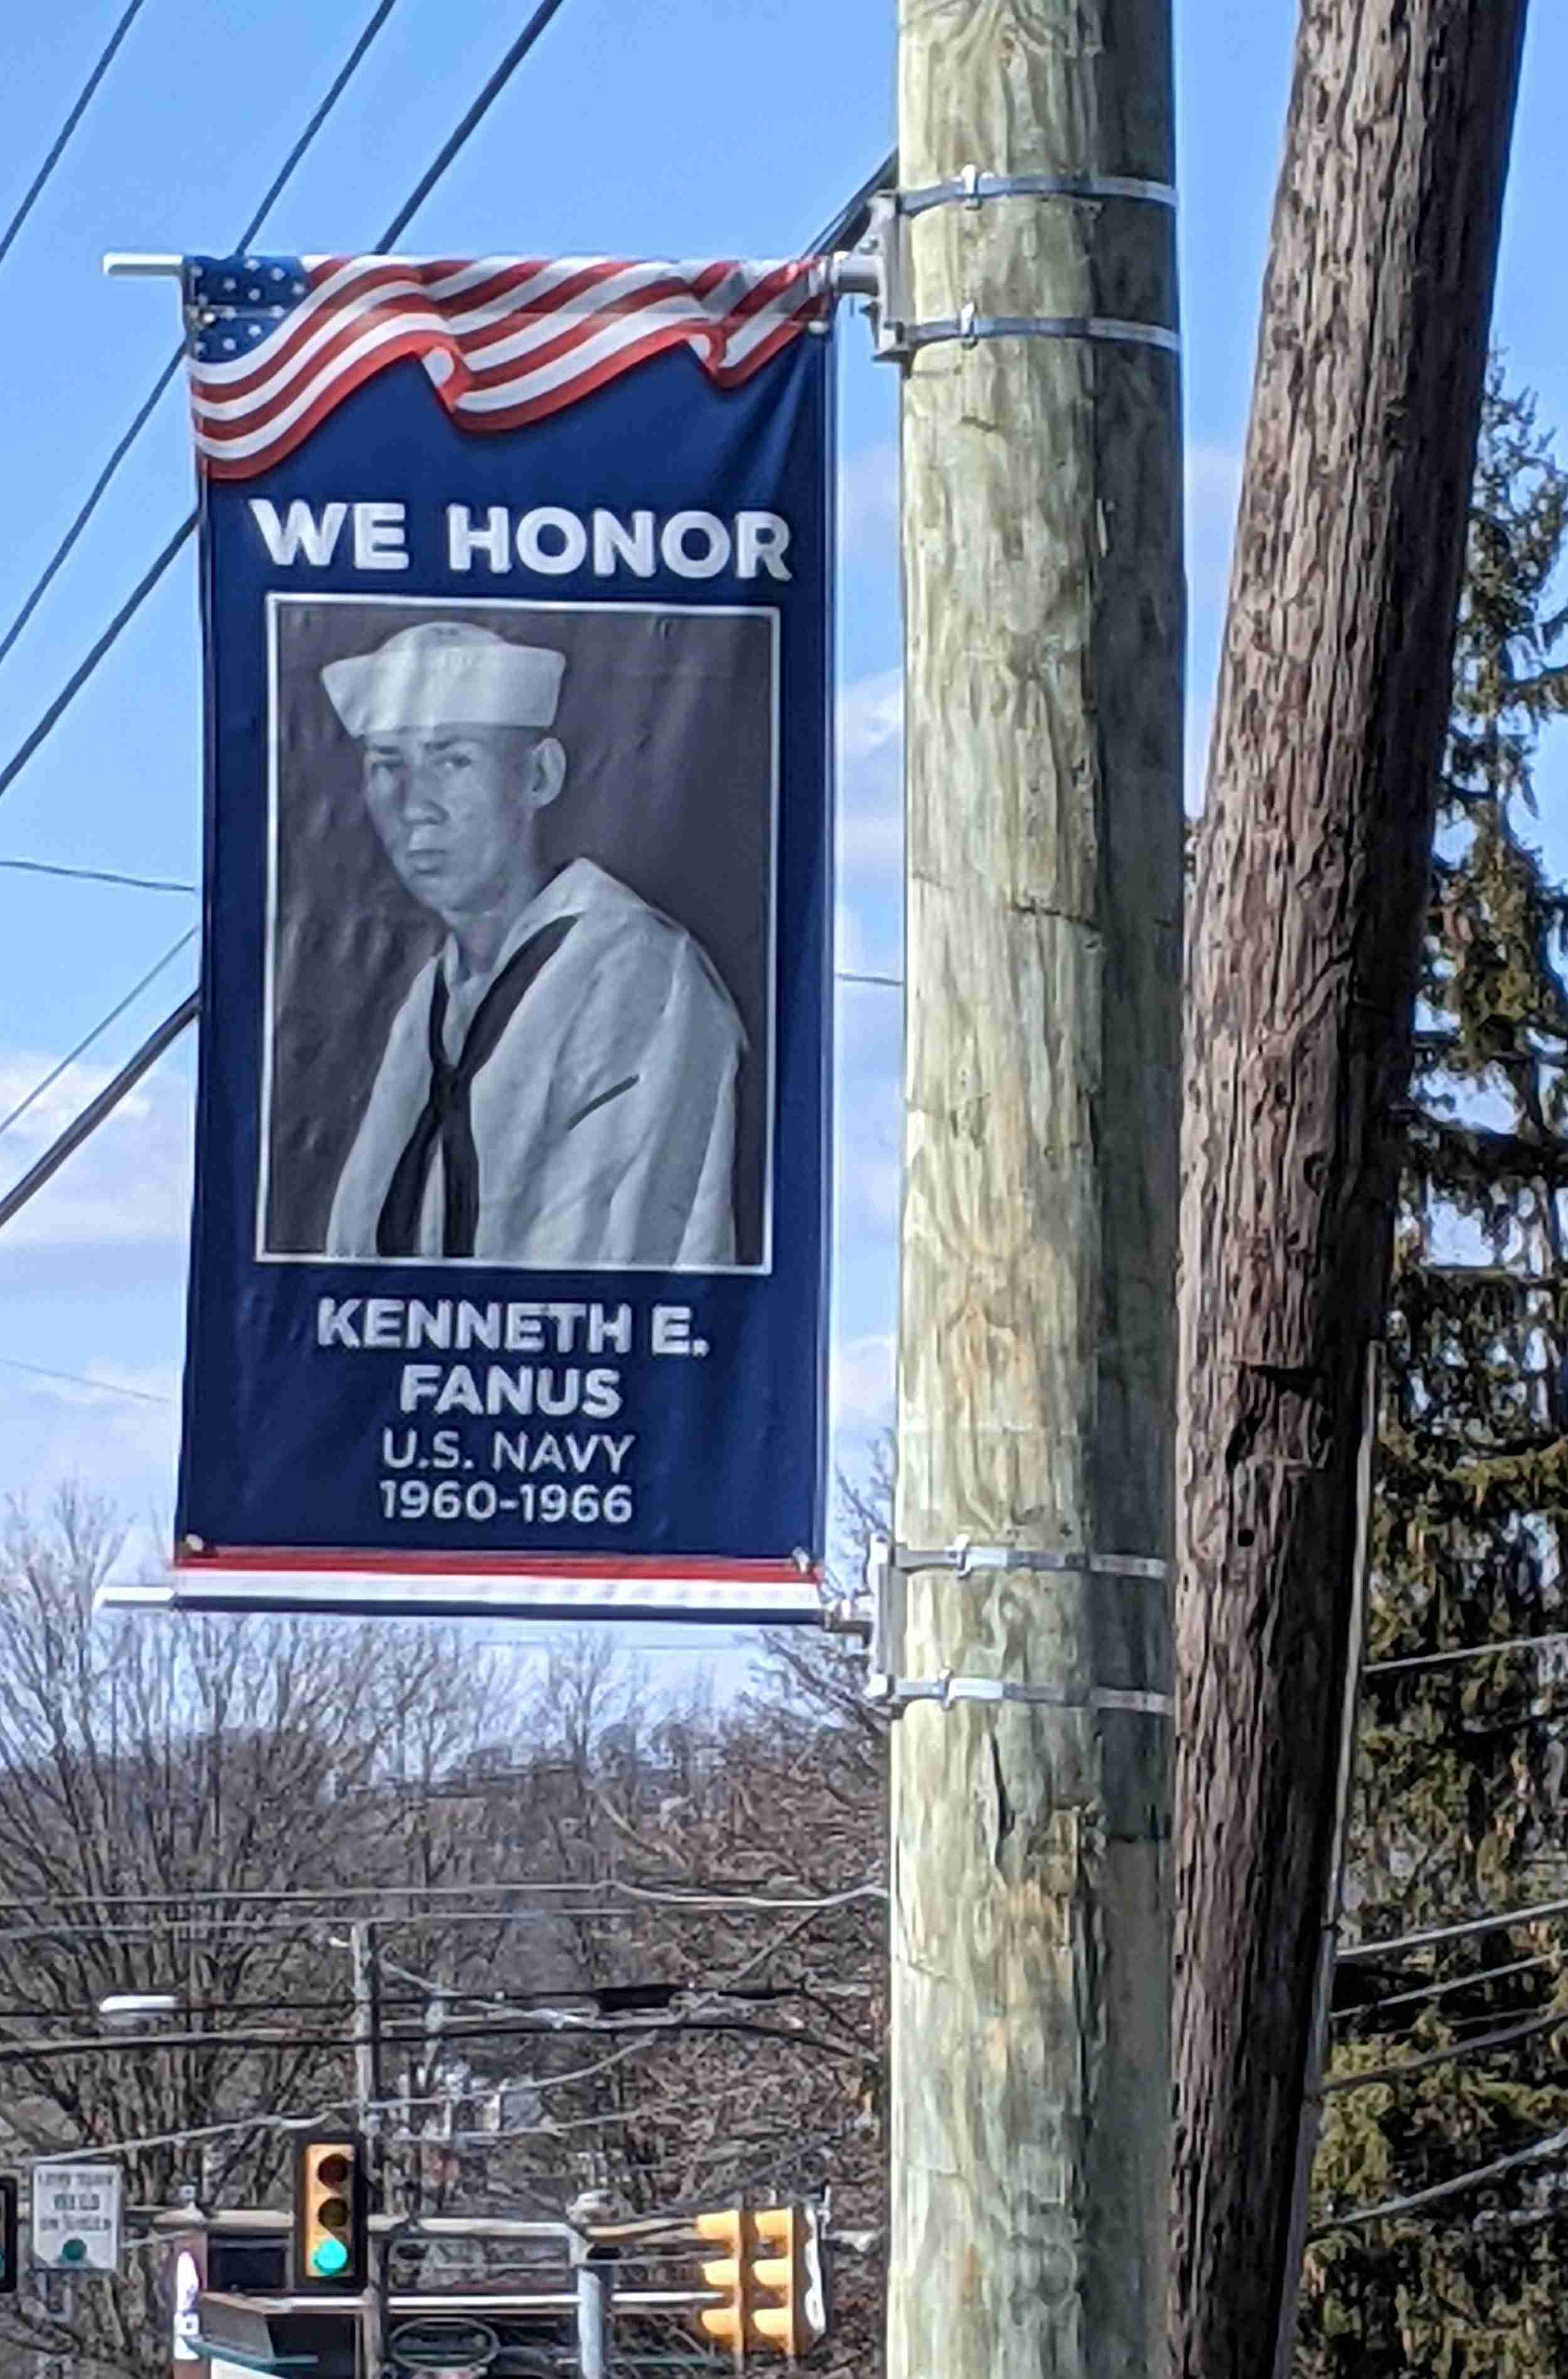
558	1087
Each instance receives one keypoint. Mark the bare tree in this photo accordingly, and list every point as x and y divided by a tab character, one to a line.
171	1792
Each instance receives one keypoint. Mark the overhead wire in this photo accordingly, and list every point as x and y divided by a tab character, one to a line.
170	955
205	2131
85	666
661	1894
1451	2052
1357	1953
82	1380
176	1023
98	876
144	411
1388	2208
1369	2009
457	2032
78	108
449	149
85	1123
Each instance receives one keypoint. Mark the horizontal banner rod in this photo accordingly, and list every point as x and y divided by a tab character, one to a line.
851	274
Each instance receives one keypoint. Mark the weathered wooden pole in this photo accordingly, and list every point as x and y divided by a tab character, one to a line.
1312	886
1043	654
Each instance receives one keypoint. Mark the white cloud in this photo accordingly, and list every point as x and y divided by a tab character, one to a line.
862	1381
128	1184
871	822
871	718
868	498
1214	485
121	1446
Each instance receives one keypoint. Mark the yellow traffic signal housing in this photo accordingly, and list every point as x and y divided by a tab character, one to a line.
330	2215
789	2302
727	2272
773	2276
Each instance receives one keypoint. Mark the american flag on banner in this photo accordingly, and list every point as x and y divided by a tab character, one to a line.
274	342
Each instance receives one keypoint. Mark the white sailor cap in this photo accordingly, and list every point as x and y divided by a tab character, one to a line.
444	673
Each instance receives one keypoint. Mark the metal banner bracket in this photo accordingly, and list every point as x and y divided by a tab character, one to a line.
879	267
971	188
876	1617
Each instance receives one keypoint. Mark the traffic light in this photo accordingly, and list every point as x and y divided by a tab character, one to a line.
773	2276
786	2270
330	2213
8	2250
729	2272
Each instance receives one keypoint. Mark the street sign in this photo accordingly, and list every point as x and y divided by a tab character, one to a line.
76	2216
443	2347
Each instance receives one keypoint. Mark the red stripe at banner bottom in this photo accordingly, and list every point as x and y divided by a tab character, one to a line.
428	1583
475	1585
428	1561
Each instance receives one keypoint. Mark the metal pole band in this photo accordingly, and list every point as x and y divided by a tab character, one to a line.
971	188
964	1556
968	326
898	1692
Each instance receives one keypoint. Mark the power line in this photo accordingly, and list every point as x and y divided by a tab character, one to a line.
93	1114
85	668
80	1380
421	191
469	125
849	223
99	1030
97	876
202	2131
456	2033
705	1897
144	411
1473	1982
1463	1652
78	108
1388	2208
1359	1952
1482	2044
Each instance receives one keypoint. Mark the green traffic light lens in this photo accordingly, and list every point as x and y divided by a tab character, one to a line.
329	2258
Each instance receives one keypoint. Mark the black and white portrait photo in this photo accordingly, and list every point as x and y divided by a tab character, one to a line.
518	1007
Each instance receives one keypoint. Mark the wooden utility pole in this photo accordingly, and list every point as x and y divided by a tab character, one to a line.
1312	885
1043	673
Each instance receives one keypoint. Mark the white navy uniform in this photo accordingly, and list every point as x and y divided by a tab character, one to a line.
602	1117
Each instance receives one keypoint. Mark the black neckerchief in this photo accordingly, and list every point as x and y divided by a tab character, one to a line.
446	1120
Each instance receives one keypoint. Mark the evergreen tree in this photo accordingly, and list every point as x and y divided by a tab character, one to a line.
1459	1805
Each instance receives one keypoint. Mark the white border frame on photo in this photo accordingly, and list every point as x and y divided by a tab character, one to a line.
276	601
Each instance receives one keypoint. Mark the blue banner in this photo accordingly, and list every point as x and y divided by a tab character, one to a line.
510	1238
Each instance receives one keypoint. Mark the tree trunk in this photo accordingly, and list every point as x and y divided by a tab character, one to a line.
1312	885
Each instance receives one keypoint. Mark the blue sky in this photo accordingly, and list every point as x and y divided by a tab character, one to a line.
703	125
